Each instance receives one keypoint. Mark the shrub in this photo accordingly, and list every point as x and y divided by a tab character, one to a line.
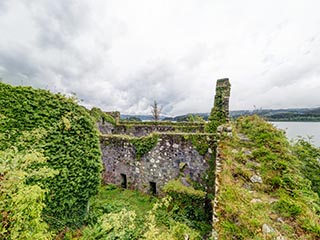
70	144
21	204
287	208
120	225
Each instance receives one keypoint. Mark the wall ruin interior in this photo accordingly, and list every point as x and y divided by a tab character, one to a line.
145	156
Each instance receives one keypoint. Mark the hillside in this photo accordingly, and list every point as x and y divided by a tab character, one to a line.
291	114
268	188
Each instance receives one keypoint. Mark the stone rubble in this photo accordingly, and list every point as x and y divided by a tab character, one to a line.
256	179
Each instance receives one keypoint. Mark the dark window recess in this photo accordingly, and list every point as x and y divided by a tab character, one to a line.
153	188
123	180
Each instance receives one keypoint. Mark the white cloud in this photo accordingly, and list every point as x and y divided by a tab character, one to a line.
121	55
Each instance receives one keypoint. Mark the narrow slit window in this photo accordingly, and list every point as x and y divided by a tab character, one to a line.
153	188
123	180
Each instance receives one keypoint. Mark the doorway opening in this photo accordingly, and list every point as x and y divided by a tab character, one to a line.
123	180
153	188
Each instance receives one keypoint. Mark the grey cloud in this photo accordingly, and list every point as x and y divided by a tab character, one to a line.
59	21
122	58
154	83
291	74
3	6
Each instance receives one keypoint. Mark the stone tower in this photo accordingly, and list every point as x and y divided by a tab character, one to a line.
220	111
221	100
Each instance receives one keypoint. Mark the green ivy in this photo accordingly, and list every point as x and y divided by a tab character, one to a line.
201	142
70	144
189	203
144	144
97	114
21	203
218	116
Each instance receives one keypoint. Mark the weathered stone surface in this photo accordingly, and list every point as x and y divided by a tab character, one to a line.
229	129
266	229
243	138
247	152
234	151
256	179
256	200
172	156
279	219
220	128
280	238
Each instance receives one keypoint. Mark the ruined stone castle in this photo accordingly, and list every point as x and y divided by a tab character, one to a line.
146	155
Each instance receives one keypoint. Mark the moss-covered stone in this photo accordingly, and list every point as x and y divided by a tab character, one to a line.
220	111
98	115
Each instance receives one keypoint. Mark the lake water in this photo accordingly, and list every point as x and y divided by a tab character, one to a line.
303	129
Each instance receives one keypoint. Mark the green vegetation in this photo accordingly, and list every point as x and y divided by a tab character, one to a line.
218	115
189	203
125	214
161	123
286	115
50	167
201	142
144	144
132	119
21	204
195	118
309	155
98	115
176	189
64	133
284	200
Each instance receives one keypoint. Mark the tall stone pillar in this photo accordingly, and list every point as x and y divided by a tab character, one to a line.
221	100
220	111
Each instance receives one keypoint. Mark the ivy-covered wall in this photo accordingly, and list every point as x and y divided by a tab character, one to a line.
68	141
156	158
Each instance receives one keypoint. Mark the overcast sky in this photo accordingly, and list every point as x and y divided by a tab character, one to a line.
122	55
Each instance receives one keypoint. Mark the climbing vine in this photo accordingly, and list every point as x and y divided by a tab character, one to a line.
69	142
144	144
201	142
97	114
218	113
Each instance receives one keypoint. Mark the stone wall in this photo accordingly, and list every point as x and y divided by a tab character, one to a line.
105	127
140	129
173	156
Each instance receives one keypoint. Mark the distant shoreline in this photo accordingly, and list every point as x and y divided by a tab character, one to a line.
286	120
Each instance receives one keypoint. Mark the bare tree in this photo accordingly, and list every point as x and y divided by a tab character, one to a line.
155	111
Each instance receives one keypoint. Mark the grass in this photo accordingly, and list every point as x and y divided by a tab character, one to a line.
284	200
117	213
112	199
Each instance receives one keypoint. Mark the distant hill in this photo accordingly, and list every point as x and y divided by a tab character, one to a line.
290	114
